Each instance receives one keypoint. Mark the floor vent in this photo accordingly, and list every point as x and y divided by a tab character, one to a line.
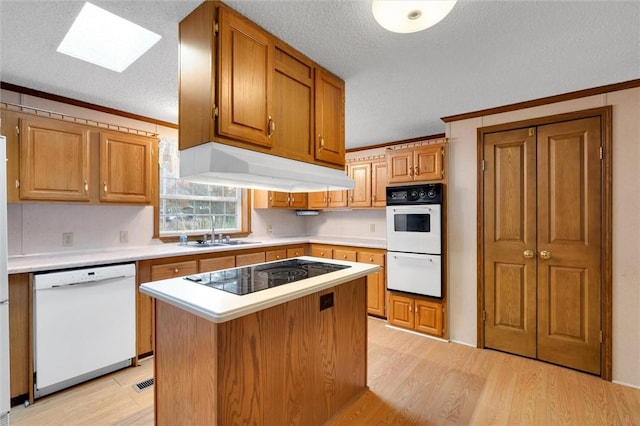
139	387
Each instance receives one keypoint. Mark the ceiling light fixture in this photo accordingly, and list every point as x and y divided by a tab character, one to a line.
409	16
105	39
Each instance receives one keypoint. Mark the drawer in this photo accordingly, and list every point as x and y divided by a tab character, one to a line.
372	258
276	255
295	252
322	251
217	263
172	270
250	259
341	254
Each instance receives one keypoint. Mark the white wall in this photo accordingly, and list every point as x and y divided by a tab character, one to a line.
462	219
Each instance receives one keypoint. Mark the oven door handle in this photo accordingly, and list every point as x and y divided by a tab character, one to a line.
413	209
413	256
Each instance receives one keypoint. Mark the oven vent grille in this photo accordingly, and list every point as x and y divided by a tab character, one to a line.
139	387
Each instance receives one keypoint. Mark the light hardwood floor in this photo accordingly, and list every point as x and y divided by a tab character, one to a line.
413	380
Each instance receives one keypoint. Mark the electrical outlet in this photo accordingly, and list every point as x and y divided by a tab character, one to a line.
269	229
67	239
124	237
372	227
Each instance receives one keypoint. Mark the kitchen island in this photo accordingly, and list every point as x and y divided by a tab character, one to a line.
291	354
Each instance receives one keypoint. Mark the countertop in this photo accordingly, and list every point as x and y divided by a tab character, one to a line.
219	306
82	258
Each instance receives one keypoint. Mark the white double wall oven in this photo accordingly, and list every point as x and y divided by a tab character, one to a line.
414	239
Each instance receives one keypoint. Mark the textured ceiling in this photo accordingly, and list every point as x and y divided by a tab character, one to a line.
484	54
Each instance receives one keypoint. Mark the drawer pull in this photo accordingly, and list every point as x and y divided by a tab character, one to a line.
175	270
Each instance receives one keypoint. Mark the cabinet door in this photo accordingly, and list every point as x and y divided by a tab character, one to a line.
344	254
428	163
360	195
217	263
317	200
246	75
278	199
292	119
250	259
19	332
428	317
376	288
298	200
329	124
54	160
379	184
401	311
337	199
400	166
126	163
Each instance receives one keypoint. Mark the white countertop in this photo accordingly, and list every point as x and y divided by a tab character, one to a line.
82	258
220	306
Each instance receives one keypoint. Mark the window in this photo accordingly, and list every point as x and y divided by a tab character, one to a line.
190	207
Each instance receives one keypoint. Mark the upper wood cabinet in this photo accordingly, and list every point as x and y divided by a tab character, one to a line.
421	163
327	199
241	86
329	144
292	118
263	199
370	177
126	163
54	160
246	75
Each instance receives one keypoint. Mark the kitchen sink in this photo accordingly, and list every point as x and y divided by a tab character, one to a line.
238	242
206	244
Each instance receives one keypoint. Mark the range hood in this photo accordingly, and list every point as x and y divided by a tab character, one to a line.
219	164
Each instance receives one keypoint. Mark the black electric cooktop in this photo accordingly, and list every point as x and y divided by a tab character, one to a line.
250	279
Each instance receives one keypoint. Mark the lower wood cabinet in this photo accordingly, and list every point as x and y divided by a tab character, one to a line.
376	282
20	303
417	314
154	270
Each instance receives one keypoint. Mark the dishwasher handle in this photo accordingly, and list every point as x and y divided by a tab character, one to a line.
96	281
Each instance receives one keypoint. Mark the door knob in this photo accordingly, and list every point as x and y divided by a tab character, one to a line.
545	254
528	254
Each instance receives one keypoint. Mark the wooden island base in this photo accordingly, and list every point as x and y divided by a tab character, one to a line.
289	364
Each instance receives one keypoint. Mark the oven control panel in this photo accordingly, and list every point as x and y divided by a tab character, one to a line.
428	193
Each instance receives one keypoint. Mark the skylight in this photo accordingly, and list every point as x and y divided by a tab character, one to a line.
105	39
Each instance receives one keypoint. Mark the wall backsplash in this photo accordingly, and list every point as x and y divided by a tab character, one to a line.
38	228
349	223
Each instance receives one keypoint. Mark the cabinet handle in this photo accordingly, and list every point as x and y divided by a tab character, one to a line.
104	187
373	197
175	271
545	254
528	254
321	143
272	126
417	171
86	187
410	171
17	184
371	259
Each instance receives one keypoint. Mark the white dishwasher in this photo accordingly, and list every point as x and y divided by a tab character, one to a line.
84	325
